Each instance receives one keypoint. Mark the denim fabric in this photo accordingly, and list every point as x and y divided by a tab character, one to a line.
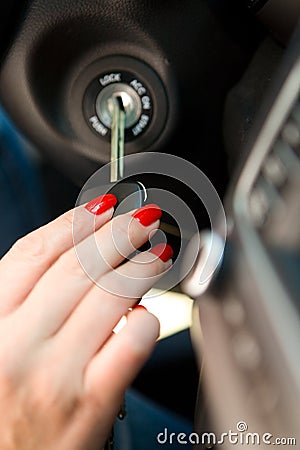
22	201
144	421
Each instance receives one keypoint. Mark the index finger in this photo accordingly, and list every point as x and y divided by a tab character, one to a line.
32	255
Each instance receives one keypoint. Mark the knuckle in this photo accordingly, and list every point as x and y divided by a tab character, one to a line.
157	267
76	224
120	226
127	232
40	389
69	264
10	371
46	392
33	247
121	234
67	222
7	380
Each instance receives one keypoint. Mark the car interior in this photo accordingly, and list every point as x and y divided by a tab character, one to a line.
217	83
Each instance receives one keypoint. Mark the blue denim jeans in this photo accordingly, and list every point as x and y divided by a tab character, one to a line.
22	202
148	426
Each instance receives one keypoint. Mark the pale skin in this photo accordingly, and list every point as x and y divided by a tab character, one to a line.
63	371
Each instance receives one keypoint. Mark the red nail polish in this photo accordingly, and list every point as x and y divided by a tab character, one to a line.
148	214
100	204
163	251
140	307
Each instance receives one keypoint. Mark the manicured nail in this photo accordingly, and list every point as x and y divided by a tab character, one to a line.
140	307
101	204
163	251
148	214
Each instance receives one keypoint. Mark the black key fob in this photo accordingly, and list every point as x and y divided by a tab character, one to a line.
130	195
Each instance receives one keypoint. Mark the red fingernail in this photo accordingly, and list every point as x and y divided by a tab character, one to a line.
100	204
163	251
140	307
148	214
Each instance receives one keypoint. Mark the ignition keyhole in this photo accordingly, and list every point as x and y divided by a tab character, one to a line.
130	101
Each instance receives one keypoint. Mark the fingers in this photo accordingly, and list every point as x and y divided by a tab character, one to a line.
117	364
135	277
118	239
115	240
31	256
61	324
113	369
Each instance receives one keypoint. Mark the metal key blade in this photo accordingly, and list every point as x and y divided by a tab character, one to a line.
117	139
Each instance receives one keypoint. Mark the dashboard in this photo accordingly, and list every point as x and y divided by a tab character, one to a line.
247	323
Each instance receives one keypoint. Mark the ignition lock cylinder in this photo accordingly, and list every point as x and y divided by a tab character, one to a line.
143	95
136	98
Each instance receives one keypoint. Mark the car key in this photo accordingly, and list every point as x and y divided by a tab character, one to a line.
130	194
117	138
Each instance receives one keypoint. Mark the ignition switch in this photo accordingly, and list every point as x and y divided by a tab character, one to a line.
136	97
150	103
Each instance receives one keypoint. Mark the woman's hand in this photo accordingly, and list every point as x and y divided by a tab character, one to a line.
62	371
